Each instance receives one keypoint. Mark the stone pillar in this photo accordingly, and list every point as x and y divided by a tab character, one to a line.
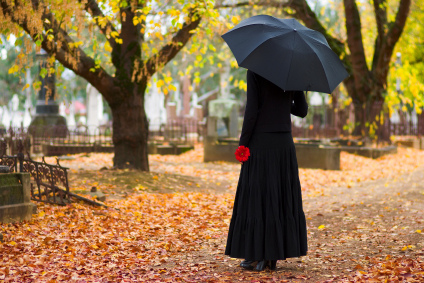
186	96
46	103
198	112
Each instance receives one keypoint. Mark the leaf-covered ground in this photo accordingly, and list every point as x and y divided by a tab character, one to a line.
365	224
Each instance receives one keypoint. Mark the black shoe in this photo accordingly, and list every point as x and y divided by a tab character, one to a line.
262	264
247	264
272	264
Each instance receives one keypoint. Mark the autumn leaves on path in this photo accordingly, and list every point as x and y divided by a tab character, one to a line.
365	223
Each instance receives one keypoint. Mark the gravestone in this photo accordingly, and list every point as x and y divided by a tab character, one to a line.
171	111
15	196
318	156
16	115
47	121
227	110
198	112
154	106
71	117
27	114
93	121
177	99
5	118
413	142
2	127
62	109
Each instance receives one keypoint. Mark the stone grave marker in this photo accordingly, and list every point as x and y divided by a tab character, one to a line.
15	196
92	109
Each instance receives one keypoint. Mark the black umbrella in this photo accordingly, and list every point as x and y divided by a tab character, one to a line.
286	53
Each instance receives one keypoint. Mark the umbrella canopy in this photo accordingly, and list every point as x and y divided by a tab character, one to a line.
286	53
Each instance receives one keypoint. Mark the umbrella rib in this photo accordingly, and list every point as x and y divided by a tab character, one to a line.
316	54
316	40
291	57
259	45
254	24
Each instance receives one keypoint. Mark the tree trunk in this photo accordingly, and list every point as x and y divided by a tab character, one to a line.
130	133
366	113
359	111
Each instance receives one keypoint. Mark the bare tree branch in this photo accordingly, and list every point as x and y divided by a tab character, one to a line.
380	12
356	46
304	12
168	52
393	35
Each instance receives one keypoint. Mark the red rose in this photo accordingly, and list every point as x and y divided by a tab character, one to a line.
242	153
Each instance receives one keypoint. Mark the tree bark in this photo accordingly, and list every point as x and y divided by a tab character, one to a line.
130	132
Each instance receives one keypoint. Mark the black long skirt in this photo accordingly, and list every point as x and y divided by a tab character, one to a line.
268	221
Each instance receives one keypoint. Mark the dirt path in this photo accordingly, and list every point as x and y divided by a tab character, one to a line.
374	220
350	231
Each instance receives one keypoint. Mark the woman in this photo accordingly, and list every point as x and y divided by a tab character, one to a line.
268	223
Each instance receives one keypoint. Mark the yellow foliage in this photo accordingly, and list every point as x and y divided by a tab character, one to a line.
108	48
25	87
242	85
167	79
13	69
159	35
233	64
235	19
136	21
159	83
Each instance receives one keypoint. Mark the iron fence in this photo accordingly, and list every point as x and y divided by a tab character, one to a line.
61	140
49	182
177	131
321	122
327	122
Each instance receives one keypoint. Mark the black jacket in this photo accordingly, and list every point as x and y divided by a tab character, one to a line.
268	107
